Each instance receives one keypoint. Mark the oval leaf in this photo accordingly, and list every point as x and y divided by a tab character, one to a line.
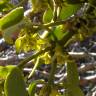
14	84
48	15
32	86
12	18
18	43
4	70
72	73
74	91
11	33
31	89
69	10
59	32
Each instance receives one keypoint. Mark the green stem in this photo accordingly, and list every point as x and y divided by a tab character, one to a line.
51	24
55	12
23	62
20	3
37	27
34	68
53	69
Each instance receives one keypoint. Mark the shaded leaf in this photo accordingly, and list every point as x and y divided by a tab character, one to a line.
72	73
74	1
10	34
74	91
14	84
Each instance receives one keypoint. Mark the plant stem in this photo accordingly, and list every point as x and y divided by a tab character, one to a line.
34	68
44	26
55	12
53	69
23	62
20	3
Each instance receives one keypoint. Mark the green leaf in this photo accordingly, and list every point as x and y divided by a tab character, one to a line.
48	15
10	32
73	80
31	89
4	70
14	84
59	32
68	10
12	18
74	91
18	44
72	73
38	5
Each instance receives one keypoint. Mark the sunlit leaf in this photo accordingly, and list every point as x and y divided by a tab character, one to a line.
18	44
4	70
69	10
59	32
31	89
12	18
48	15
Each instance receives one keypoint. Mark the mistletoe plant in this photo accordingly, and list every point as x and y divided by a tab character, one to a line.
47	29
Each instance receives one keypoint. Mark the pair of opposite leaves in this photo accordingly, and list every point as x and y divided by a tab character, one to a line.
15	18
66	11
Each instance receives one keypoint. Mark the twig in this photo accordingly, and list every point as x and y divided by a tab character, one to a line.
23	62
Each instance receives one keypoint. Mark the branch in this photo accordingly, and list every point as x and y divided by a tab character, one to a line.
26	60
52	72
45	26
